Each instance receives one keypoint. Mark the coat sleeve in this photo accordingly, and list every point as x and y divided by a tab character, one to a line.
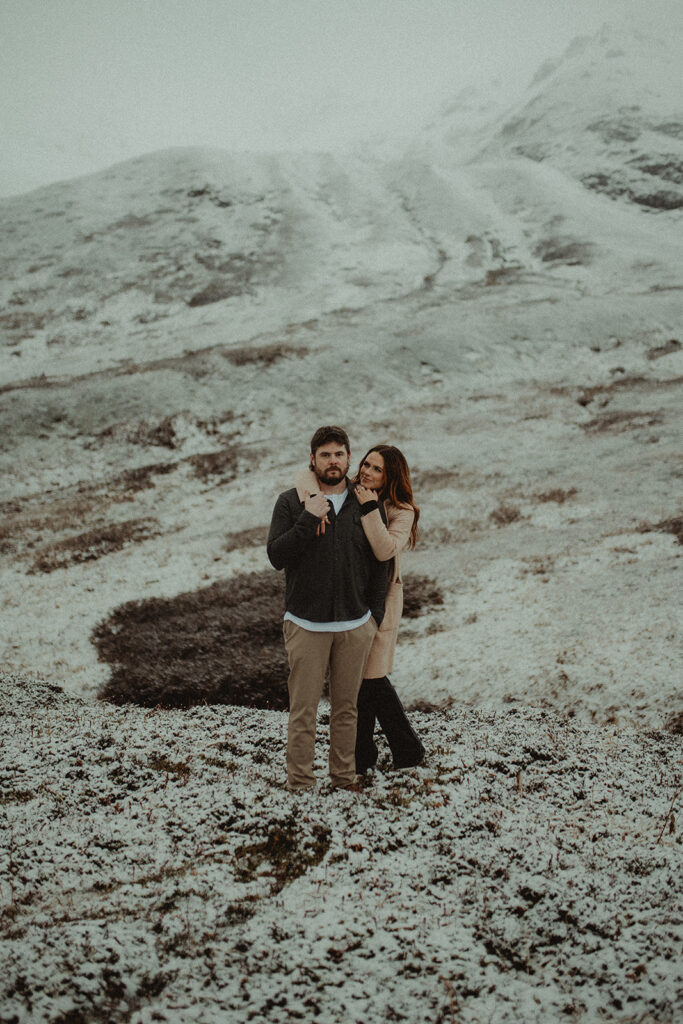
306	482
289	533
388	541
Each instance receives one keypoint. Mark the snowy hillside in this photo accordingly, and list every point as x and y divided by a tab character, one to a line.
176	327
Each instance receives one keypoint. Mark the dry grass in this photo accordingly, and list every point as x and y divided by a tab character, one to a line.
673	525
505	514
222	645
622	420
557	495
89	546
252	537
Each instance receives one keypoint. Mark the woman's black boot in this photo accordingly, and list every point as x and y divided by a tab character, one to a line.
406	748
366	749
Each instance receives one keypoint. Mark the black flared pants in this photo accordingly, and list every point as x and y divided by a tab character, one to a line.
379	702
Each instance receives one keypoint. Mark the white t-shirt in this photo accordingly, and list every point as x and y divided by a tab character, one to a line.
330	627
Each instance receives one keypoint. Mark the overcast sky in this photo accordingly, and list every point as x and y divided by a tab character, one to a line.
85	83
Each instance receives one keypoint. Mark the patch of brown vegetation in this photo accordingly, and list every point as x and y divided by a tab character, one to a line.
625	419
252	537
433	479
442	536
89	546
263	355
221	645
673	525
505	514
162	435
419	594
674	723
623	384
556	494
26	520
222	464
588	394
286	850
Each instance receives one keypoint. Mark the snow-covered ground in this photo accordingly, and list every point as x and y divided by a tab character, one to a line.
174	330
156	869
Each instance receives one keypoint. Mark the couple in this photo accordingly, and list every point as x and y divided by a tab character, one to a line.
340	542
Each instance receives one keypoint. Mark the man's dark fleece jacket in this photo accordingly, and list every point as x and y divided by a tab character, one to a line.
331	577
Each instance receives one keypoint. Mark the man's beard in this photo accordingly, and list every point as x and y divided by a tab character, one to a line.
331	476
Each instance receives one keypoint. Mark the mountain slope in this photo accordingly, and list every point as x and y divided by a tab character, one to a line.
609	113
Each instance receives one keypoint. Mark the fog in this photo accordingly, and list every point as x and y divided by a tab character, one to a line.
86	83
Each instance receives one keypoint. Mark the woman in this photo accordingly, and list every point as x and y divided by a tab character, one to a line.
383	477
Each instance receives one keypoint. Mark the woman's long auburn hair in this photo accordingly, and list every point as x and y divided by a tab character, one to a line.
398	489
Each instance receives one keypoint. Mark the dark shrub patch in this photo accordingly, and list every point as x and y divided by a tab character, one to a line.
222	644
419	593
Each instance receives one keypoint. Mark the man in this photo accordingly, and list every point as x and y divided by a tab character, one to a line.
334	598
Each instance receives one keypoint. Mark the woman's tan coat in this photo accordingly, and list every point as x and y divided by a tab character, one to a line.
387	542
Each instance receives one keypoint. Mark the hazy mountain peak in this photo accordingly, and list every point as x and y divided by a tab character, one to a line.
604	113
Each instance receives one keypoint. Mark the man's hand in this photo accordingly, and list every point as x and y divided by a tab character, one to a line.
317	505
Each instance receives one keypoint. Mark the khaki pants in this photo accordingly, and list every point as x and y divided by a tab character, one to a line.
309	655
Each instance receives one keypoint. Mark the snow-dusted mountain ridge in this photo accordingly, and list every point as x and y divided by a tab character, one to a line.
610	114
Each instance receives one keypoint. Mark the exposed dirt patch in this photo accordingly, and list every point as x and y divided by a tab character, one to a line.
221	645
89	546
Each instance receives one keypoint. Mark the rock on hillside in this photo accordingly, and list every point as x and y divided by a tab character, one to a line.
153	868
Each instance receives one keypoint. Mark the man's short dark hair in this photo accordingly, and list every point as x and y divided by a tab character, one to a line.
329	435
